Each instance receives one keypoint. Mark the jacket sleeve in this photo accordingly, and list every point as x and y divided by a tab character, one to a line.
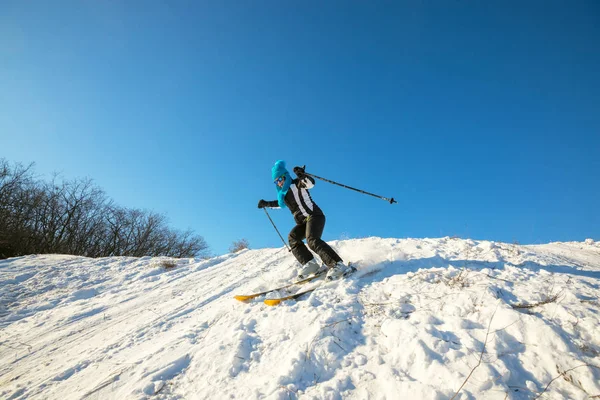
273	204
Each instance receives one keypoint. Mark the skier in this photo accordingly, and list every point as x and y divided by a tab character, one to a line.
310	221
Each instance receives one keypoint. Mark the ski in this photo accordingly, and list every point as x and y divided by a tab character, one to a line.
276	301
300	282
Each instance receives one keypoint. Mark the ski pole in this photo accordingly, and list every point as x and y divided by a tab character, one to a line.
273	223
392	201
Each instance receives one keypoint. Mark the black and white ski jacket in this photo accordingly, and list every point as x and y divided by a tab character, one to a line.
299	201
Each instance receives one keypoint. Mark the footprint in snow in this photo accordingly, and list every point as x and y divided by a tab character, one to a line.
247	348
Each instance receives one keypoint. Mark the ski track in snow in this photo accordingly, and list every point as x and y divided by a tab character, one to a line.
411	323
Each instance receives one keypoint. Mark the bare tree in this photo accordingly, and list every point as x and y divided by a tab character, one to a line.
16	199
76	217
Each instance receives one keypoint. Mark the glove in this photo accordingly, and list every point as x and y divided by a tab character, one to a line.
299	171
262	203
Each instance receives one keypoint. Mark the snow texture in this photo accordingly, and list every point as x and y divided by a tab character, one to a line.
421	319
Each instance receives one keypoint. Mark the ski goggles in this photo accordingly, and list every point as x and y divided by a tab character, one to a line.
280	179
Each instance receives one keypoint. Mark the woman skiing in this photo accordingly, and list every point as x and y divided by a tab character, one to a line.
310	221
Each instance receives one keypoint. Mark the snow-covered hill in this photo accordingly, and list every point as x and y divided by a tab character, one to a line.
421	319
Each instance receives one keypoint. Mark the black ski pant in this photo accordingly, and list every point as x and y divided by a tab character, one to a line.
311	230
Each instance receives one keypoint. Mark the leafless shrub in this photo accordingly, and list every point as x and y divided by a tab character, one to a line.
168	264
239	245
460	280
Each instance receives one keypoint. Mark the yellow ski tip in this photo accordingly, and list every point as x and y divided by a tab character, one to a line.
272	302
243	298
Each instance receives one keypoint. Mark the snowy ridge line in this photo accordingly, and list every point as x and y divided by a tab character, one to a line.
411	323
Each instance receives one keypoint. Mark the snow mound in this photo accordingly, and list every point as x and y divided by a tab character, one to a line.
421	319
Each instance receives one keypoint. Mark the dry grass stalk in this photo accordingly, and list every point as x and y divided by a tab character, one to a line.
480	355
550	299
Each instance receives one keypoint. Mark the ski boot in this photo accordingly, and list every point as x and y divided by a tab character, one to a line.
337	271
308	269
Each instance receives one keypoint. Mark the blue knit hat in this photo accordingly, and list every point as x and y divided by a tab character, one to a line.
277	171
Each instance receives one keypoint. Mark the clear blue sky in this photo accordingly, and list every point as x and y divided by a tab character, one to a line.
481	118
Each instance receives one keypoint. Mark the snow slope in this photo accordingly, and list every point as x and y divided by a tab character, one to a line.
421	319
